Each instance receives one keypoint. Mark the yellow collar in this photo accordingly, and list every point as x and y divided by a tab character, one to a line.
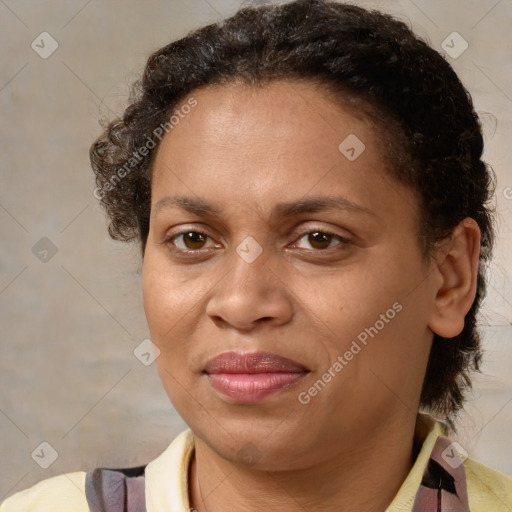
167	475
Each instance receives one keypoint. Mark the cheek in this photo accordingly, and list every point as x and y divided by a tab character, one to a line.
165	305
375	309
349	299
167	295
174	305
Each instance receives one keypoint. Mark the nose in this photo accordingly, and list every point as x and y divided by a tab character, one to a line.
250	294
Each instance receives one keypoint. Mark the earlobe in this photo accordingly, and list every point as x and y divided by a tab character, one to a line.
457	266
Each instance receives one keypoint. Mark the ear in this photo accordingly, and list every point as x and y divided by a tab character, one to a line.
456	263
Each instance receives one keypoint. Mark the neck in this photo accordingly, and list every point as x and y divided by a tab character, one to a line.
364	476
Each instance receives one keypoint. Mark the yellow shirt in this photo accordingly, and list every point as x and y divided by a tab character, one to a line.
166	481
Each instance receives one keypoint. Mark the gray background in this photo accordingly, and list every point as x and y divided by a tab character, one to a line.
69	325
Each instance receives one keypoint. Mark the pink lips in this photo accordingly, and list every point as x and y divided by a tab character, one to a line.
252	377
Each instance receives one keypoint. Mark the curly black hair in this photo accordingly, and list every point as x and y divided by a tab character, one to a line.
421	110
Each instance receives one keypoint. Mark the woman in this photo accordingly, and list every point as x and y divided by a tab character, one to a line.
307	187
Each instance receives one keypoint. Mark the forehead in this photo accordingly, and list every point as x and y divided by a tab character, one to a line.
276	141
277	108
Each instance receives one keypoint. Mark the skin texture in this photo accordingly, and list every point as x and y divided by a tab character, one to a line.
245	150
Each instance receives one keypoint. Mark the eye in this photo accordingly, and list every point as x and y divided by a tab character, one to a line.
191	241
187	241
321	239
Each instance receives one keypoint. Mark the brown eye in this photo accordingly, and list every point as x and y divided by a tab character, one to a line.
194	239
320	240
187	241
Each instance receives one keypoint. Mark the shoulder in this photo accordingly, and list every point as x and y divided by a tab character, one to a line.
62	492
164	478
488	489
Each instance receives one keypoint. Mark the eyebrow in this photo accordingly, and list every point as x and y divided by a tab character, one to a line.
200	207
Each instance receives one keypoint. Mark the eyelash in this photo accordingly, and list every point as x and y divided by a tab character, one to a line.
168	242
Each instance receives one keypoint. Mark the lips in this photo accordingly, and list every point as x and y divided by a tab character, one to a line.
252	377
252	362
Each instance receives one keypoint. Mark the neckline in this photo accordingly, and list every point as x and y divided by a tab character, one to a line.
167	476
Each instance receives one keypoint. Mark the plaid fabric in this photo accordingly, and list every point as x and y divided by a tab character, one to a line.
116	490
443	486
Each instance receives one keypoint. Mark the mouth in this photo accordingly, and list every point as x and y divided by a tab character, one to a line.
252	377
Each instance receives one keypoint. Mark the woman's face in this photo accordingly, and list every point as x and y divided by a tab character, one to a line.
317	284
